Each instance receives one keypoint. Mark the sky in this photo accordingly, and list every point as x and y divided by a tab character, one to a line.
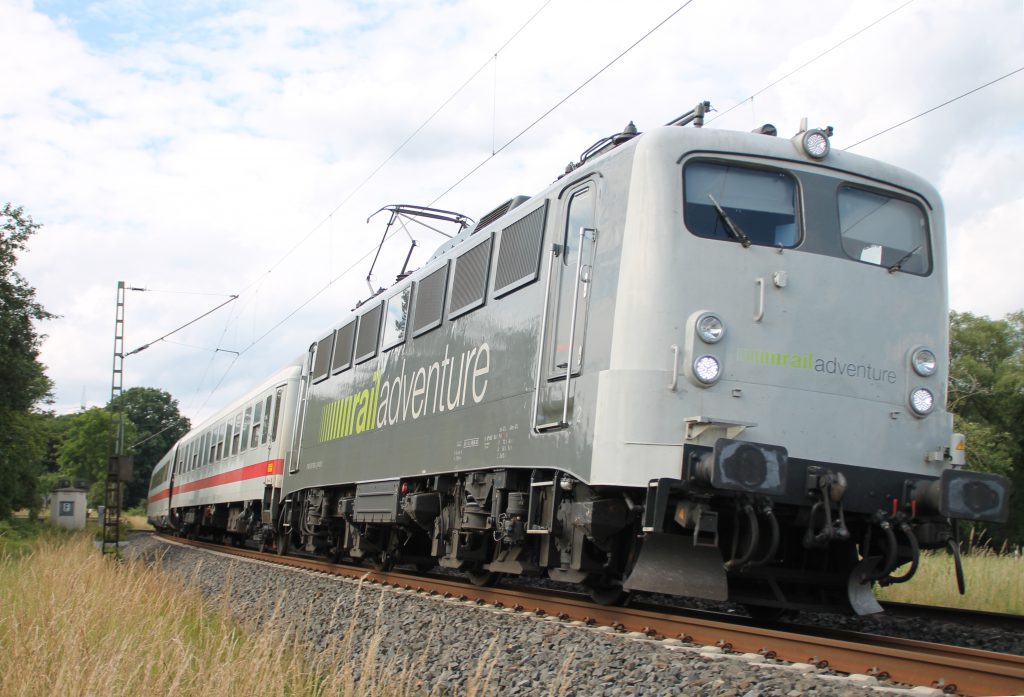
204	149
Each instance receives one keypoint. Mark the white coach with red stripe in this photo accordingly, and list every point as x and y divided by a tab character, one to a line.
228	463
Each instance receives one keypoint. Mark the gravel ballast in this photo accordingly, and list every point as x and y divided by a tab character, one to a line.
455	646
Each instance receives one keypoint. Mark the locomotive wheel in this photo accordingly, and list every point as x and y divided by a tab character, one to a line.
282	543
605	592
381	561
764	613
482	578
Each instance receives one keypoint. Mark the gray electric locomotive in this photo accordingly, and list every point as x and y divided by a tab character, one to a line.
701	362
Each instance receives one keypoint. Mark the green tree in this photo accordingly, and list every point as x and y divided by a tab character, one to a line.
23	381
986	393
158	425
86	447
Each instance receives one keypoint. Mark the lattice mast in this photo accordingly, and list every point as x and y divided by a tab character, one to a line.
112	493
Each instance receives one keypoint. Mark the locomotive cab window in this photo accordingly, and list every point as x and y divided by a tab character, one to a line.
741	204
885	231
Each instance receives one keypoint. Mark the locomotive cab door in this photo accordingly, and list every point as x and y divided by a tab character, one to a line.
570	268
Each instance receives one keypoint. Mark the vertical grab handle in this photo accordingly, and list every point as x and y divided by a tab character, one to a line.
675	368
555	250
759	312
572	322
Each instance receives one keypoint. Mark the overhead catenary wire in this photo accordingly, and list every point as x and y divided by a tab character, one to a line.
187	324
401	146
821	55
562	101
533	124
938	106
259	279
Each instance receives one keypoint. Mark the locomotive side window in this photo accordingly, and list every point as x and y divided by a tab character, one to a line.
396	317
343	345
322	358
885	231
469	282
430	301
367	334
749	206
518	262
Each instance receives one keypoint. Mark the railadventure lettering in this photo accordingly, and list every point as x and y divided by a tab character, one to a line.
827	366
444	385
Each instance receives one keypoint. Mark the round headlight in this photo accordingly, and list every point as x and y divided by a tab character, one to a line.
710	328
922	400
816	143
707	369
924	362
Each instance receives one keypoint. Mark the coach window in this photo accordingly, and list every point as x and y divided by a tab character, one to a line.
237	434
266	418
740	204
396	317
194	454
221	431
211	440
246	425
257	415
202	450
277	414
883	230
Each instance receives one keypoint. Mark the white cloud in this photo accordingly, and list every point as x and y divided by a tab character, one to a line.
189	147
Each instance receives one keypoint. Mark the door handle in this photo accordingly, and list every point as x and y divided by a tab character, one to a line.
675	368
759	311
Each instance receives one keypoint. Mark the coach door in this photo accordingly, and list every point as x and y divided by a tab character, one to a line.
570	266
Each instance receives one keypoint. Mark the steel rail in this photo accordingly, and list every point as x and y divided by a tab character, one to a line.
956	615
952	669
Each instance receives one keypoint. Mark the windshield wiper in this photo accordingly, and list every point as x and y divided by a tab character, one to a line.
733	229
898	266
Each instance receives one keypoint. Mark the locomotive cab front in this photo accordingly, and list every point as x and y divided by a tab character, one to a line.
797	300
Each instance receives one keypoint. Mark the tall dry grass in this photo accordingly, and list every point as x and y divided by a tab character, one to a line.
74	623
994	582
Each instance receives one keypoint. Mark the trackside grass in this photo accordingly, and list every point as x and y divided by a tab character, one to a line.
995	582
74	623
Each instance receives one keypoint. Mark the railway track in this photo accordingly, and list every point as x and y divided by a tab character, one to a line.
954	670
